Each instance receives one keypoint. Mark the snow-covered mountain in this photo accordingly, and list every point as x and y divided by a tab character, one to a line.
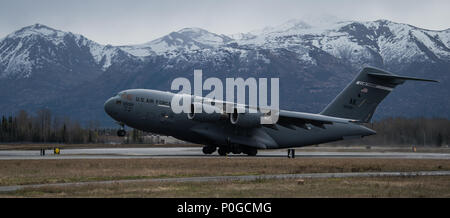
376	42
33	47
356	42
187	39
72	75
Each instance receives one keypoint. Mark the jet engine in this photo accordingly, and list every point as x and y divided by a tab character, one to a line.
198	112
246	120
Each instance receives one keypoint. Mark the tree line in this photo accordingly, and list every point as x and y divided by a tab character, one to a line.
43	127
407	132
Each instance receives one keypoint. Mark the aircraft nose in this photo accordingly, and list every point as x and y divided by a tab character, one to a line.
108	106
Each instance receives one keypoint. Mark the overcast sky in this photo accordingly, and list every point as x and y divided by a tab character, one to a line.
120	22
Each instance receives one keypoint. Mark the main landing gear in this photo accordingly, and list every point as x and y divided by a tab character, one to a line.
209	149
235	149
121	132
250	151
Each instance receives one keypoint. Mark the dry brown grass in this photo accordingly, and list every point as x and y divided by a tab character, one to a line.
425	186
15	172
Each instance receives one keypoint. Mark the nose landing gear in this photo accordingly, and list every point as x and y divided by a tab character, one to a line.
121	132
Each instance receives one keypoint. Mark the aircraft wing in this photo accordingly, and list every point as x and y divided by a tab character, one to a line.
290	119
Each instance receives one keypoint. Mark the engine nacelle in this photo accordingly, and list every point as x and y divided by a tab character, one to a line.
246	120
198	113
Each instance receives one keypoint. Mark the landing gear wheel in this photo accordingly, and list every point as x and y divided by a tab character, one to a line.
236	150
222	152
251	152
207	149
121	133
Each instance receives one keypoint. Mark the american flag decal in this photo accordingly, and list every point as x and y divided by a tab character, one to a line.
129	97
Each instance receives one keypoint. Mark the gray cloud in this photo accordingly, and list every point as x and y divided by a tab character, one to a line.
120	22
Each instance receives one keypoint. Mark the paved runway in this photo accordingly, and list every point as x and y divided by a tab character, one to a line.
195	152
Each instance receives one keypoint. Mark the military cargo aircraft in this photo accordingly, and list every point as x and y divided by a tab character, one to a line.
343	118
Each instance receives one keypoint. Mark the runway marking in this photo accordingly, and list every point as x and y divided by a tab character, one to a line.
236	178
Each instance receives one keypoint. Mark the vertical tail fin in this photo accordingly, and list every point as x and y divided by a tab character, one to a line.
361	97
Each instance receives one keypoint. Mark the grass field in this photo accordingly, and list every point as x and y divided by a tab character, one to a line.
425	186
19	172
